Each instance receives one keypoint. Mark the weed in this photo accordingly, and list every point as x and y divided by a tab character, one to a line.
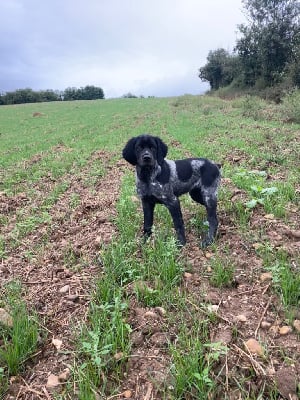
222	272
106	335
192	362
260	195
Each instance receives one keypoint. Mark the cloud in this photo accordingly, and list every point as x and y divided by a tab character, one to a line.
120	45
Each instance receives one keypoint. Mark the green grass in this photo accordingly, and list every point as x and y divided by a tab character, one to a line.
192	362
43	159
222	272
18	340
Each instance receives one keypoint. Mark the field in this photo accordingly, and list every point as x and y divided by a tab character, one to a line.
89	311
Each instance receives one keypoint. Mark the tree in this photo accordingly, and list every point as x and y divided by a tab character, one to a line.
129	95
220	69
86	93
268	44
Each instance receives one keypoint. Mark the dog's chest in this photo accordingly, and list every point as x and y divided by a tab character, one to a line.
161	192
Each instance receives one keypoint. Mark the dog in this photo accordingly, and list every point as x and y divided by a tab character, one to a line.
162	181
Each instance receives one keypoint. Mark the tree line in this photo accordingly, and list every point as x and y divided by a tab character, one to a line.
30	96
267	53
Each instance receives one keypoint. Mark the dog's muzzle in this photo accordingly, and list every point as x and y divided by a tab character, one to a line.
147	158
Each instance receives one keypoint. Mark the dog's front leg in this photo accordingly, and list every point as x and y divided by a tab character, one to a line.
213	223
175	211
148	209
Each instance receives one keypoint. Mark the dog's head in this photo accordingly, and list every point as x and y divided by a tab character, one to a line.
145	151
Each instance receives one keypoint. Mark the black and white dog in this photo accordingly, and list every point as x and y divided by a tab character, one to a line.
161	181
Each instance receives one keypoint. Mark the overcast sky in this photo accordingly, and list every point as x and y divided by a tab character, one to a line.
146	47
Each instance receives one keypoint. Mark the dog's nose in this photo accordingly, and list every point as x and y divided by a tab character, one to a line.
146	157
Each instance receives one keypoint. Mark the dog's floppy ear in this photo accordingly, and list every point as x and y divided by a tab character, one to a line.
129	151
162	150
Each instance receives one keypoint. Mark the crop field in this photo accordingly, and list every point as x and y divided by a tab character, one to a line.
88	311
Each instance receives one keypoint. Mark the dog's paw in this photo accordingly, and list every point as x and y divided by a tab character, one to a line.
206	242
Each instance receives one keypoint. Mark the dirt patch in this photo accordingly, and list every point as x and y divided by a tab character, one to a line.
148	366
9	204
58	279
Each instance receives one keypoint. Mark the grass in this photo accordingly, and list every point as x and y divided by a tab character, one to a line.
222	272
19	340
42	159
193	360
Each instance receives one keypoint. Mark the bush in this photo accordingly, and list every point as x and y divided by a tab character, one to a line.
252	107
290	107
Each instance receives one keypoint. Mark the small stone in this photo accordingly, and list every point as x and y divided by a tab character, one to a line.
118	356
72	297
286	382
52	381
265	325
269	216
296	325
208	255
188	276
241	318
64	289
266	276
57	343
161	311
213	308
150	314
254	347
284	330
224	336
64	376
127	394
5	318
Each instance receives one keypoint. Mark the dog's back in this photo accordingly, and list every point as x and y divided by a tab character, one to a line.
191	173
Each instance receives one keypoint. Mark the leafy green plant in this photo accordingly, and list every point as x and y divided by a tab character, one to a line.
260	194
192	362
106	335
